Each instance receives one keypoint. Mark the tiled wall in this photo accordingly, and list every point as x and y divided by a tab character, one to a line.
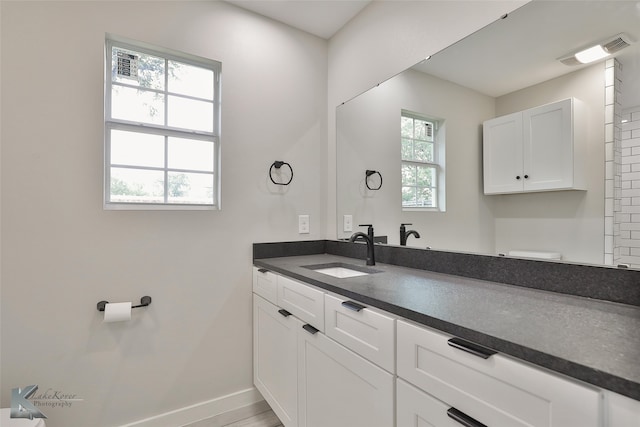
613	160
628	242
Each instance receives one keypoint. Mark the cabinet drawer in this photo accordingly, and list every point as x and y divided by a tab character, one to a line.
365	331
302	301
416	408
265	284
498	390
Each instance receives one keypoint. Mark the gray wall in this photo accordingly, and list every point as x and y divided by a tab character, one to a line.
62	253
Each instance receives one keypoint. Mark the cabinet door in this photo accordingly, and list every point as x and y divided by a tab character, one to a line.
416	408
502	154
548	147
275	359
338	388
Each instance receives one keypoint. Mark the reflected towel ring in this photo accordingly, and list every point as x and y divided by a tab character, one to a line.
368	173
278	164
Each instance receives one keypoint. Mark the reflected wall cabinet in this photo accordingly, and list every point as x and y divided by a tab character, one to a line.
539	149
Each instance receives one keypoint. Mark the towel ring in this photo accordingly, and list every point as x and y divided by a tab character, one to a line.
278	164
368	173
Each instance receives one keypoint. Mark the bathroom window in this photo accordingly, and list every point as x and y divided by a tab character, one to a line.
162	121
422	166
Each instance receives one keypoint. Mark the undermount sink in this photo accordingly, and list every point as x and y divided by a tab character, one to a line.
341	270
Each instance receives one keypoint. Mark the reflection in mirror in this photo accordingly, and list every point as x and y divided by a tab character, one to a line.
422	129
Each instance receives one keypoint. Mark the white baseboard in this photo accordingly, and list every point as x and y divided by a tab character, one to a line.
202	410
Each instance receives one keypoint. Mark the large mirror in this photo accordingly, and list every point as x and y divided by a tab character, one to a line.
510	65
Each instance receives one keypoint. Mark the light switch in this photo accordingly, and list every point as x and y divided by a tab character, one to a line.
303	224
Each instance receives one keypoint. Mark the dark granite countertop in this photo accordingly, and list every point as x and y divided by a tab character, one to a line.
592	340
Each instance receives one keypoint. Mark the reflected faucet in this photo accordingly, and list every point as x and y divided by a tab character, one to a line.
371	259
404	234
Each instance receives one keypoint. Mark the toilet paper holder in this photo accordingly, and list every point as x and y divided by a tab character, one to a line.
144	301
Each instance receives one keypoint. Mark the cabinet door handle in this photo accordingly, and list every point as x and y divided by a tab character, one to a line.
518	177
463	418
353	305
310	329
469	347
284	312
263	270
526	177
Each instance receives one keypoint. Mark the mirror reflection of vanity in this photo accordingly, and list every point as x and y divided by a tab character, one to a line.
511	65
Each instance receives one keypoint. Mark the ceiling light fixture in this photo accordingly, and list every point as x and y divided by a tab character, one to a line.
598	51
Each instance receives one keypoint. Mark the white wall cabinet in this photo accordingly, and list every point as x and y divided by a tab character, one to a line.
539	149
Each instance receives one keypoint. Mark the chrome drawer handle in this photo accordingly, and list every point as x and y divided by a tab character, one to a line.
463	418
469	347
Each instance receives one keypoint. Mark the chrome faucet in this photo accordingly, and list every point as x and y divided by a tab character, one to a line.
404	234
371	259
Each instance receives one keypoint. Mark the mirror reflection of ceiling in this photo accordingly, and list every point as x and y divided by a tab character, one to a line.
540	32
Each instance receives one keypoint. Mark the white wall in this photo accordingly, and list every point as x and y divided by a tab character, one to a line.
369	138
569	222
386	38
62	253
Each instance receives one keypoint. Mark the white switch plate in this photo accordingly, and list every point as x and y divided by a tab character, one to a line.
303	224
347	223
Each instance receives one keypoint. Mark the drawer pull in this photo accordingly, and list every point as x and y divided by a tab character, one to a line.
353	305
284	312
310	329
463	418
263	270
470	347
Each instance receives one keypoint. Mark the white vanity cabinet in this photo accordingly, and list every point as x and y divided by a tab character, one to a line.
494	390
309	379
338	388
539	149
275	344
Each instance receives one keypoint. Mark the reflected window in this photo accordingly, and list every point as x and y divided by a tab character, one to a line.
422	149
161	128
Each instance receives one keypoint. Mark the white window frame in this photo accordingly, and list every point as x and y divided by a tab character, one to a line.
438	163
111	123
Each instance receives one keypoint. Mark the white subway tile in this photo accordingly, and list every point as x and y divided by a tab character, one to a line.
630	159
635	133
632	125
625	201
608	259
609	95
635	116
608	114
625	134
625	234
630	226
634	251
625	168
608	132
624	251
626	185
609	76
608	244
608	188
608	151
631	142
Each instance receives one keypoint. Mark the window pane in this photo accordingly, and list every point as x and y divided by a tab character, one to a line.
424	151
425	197
150	69
407	127
189	80
195	188
137	149
408	196
424	130
190	154
136	185
407	149
408	175
426	176
137	105
190	114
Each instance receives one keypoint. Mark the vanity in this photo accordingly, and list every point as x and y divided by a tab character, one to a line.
400	345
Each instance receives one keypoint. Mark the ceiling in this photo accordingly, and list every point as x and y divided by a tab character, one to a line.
522	50
322	18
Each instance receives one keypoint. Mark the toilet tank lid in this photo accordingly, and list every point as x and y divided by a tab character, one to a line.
535	254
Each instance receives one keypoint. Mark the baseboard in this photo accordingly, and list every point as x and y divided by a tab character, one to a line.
202	410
